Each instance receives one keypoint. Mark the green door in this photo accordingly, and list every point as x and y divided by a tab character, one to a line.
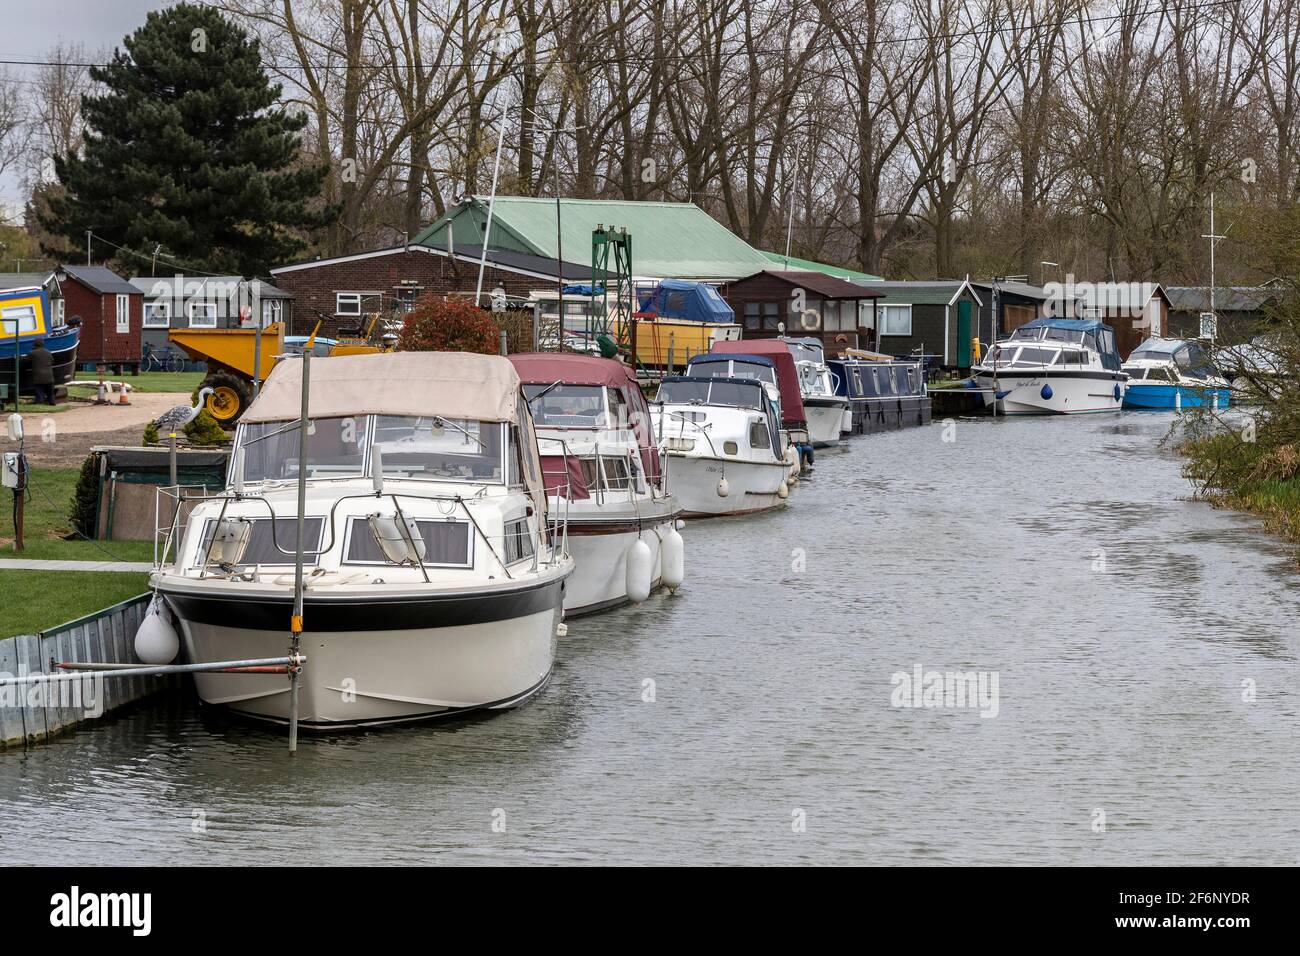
963	333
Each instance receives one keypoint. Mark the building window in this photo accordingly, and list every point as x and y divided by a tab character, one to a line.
406	299
832	313
771	316
157	315
203	315
809	320
124	313
895	320
59	320
347	303
272	311
752	314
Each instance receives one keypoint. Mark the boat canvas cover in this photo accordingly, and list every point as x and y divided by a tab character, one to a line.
1102	336
787	375
723	357
572	368
691	301
447	384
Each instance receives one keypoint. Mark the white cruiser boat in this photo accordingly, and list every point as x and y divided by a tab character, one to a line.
602	472
434	584
723	440
1054	366
827	413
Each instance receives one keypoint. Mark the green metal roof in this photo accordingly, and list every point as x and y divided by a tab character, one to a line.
810	265
669	240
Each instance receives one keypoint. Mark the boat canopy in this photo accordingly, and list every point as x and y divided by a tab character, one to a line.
1096	334
787	375
573	368
481	388
692	301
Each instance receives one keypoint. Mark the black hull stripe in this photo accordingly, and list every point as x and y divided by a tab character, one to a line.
366	614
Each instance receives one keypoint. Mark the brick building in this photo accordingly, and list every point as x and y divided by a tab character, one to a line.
110	310
341	290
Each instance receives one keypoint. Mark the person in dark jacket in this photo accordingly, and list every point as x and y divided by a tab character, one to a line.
43	373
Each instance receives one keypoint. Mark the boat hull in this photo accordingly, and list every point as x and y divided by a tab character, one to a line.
872	415
1168	395
825	418
63	353
752	486
1055	393
486	652
599	549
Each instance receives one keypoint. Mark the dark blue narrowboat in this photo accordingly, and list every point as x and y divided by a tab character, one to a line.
883	396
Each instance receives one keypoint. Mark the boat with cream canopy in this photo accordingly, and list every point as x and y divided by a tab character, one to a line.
434	582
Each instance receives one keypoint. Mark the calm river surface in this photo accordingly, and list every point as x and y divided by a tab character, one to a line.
1124	626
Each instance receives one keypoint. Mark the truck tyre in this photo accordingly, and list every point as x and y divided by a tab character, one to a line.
229	398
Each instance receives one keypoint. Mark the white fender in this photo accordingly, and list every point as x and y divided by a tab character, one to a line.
783	490
846	421
724	489
155	639
672	556
640	571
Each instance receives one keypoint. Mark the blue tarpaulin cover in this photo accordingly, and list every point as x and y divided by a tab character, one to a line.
693	301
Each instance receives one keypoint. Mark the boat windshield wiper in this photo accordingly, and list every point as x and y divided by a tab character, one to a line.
542	392
440	422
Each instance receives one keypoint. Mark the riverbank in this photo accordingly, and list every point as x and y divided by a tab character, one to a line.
1245	475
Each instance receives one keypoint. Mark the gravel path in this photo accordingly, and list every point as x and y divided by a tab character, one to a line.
64	439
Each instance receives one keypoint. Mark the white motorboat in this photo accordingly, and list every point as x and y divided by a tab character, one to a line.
433	583
1054	366
827	413
723	441
602	472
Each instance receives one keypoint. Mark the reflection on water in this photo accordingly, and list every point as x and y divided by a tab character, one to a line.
1125	624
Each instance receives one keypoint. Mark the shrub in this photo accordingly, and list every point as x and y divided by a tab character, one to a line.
449	325
204	430
85	498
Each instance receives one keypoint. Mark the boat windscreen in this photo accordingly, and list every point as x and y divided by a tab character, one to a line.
439	449
568	406
335	449
710	392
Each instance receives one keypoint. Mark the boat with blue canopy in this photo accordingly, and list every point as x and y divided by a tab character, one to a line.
1054	366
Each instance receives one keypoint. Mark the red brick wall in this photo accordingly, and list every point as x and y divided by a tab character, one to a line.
314	288
100	340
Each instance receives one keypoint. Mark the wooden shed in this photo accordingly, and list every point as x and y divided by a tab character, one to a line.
839	312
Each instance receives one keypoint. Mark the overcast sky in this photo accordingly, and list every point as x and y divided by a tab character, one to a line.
33	26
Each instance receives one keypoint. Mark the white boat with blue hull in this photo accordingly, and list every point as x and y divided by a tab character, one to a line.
433	582
1173	373
1054	367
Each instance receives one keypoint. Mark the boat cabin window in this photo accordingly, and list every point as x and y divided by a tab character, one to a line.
22	315
335	449
430	448
568	406
266	546
446	543
1135	374
1032	356
518	539
758	435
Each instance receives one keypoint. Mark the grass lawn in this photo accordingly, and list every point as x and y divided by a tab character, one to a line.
144	382
38	600
31	408
45	523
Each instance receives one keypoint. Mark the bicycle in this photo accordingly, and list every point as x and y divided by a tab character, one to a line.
162	360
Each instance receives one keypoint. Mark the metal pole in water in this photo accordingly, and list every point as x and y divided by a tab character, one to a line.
295	623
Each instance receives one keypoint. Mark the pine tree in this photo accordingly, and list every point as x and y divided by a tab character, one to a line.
188	147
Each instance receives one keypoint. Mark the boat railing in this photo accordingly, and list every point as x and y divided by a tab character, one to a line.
168	535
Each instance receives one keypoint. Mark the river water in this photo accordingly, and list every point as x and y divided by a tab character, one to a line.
1144	649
